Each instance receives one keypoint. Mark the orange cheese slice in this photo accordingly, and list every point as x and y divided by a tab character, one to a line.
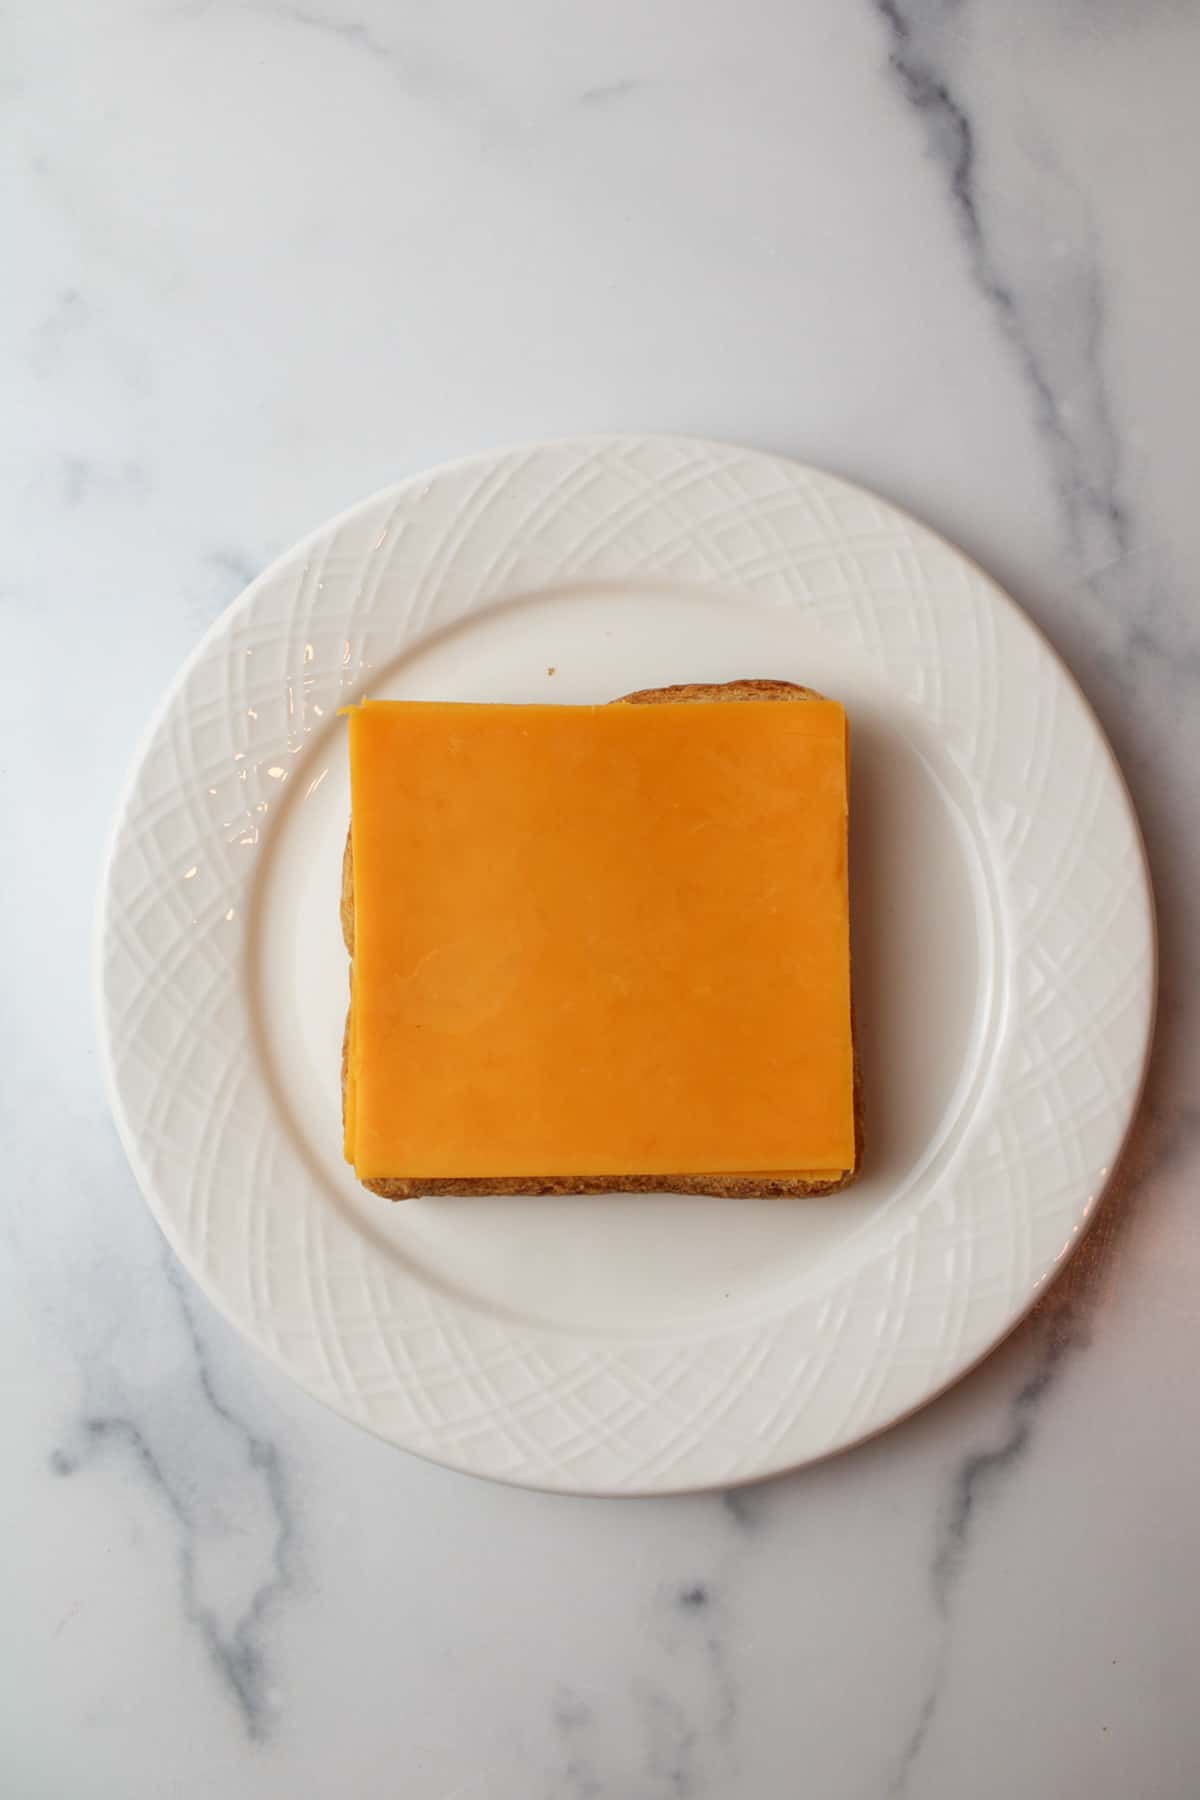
599	940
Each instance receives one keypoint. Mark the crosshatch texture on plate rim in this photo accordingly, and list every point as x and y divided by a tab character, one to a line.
585	1412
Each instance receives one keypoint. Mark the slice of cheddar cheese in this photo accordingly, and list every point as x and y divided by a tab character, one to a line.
599	940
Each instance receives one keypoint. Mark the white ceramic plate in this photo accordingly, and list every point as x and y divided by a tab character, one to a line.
1004	967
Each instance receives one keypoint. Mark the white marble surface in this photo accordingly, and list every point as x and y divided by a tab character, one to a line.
262	258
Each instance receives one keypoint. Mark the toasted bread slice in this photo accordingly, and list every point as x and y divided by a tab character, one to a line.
402	1187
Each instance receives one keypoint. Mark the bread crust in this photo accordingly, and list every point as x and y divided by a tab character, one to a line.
401	1187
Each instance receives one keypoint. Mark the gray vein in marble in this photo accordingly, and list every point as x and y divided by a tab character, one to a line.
978	1477
234	563
351	32
572	1718
680	1708
85	478
690	1620
221	577
1163	635
898	1785
68	316
1080	436
76	479
981	1472
669	1737
422	74
233	1634
604	93
745	1505
699	1603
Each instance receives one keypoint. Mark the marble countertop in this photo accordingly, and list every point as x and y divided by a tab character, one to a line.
265	257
